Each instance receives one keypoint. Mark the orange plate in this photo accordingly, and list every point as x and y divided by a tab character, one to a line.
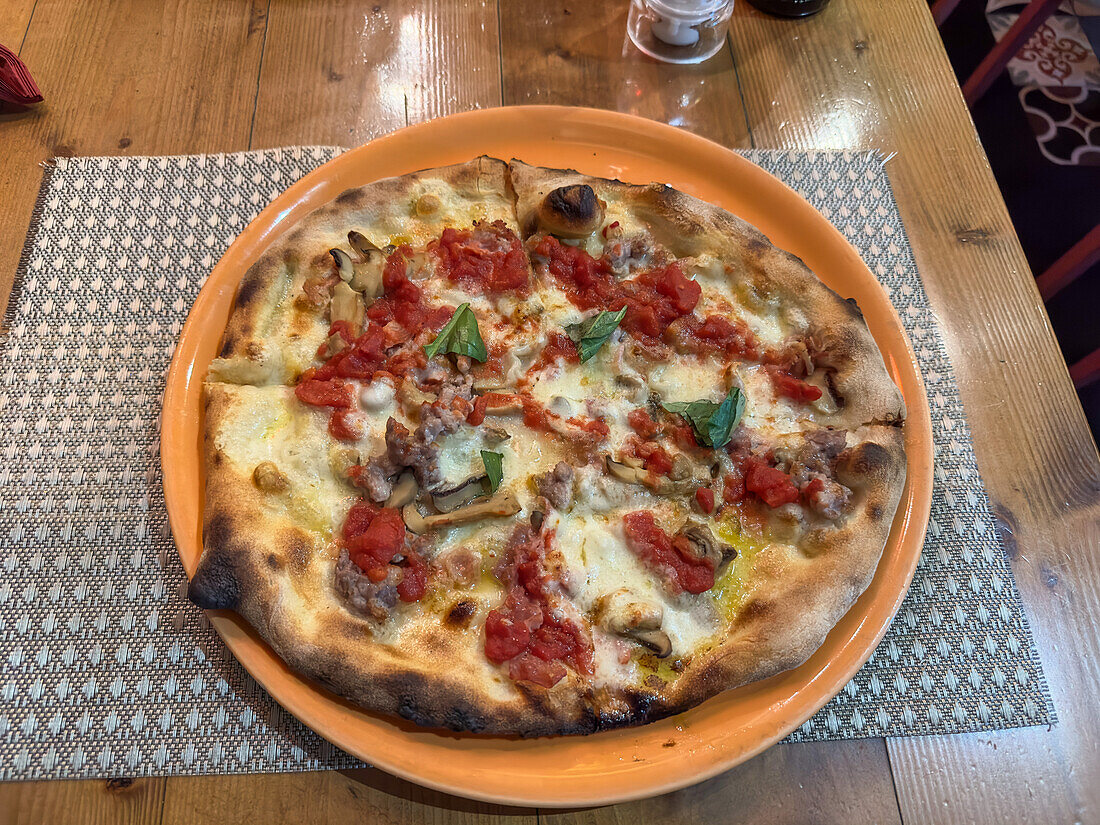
616	765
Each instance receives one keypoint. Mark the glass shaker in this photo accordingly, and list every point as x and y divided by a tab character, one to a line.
679	31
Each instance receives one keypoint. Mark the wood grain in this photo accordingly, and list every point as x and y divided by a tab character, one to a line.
578	54
122	801
206	75
366	796
14	18
342	73
858	84
811	782
127	77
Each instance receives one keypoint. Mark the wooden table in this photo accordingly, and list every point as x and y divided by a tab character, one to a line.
183	76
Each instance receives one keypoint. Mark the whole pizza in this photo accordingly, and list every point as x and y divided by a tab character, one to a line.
514	450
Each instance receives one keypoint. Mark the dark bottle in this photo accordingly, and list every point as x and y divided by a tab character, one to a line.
790	8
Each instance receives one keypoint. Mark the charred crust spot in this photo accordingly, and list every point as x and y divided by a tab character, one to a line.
868	459
757	243
755	610
273	561
574	204
218	459
349	198
229	344
875	512
460	613
215	586
459	719
248	291
642	705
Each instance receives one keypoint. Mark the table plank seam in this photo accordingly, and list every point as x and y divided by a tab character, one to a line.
740	91
260	74
500	52
27	30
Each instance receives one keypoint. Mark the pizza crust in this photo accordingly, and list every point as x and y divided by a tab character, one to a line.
272	335
274	567
689	227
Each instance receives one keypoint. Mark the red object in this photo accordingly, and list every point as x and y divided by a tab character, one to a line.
523	631
670	555
705	497
1086	371
733	487
343	428
641	422
373	537
794	388
323	393
653	299
772	485
16	84
489	256
1067	269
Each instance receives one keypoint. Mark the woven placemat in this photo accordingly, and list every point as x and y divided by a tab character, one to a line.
106	669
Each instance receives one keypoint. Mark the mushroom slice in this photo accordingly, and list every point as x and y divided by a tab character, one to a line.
703	545
624	472
334	344
571	211
624	614
447	501
345	267
504	503
655	640
270	478
346	306
494	435
413	520
404	491
367	273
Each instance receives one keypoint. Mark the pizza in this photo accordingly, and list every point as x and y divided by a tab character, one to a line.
514	450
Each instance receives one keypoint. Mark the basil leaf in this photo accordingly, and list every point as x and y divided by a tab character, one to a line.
592	335
494	468
713	423
460	336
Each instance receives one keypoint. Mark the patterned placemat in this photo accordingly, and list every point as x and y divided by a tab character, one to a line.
106	669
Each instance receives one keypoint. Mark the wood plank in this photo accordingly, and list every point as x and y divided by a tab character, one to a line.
305	798
807	782
578	54
119	801
874	75
342	73
14	18
127	77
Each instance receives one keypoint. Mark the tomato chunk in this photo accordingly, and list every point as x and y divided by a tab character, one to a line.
487	258
670	556
323	393
524	631
343	428
794	388
772	485
704	496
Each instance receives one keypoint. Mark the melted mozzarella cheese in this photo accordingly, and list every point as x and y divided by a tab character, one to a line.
685	378
268	424
598	562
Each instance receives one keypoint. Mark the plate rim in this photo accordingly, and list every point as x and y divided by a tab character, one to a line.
912	513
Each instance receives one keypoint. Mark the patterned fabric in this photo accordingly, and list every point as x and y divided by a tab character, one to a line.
106	669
